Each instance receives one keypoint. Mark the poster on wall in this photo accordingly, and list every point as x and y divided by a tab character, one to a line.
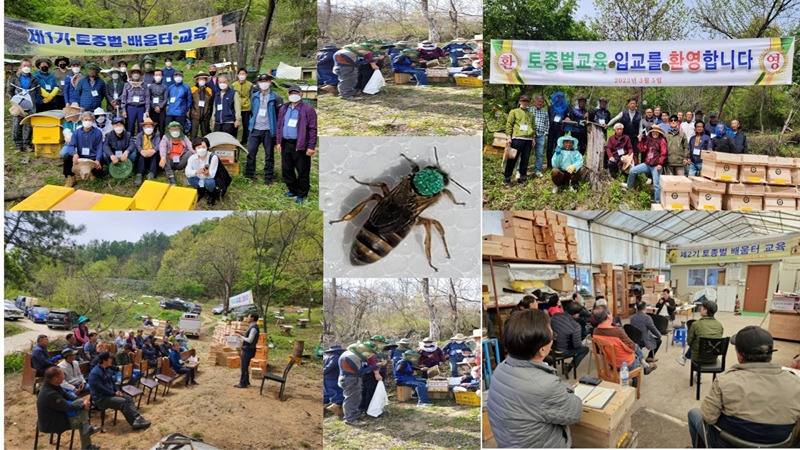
771	248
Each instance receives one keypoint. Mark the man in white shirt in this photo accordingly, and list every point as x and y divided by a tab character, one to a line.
73	378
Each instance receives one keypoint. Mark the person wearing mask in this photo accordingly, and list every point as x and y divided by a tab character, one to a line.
721	141
135	99
118	146
179	100
655	156
567	164
677	146
227	112
58	411
631	120
107	394
212	80
168	72
174	150
698	143
114	90
244	88
122	66
60	72
103	121
201	106
149	65
158	101
71	82
297	141
249	342
23	84
739	138
263	126
580	114
91	90
86	143
146	144
430	353
48	85
201	169
617	147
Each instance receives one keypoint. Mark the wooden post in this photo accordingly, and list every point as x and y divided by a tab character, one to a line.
299	346
595	150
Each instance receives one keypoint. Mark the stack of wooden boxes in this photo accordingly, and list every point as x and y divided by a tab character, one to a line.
228	155
258	365
603	282
533	236
221	353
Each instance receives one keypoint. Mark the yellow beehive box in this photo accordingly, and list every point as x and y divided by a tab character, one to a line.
46	130
44	199
47	150
114	203
79	201
149	196
179	199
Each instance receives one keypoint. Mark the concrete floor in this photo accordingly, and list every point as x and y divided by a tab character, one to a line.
660	414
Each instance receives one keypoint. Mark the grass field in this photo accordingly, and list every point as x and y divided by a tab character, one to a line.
12	328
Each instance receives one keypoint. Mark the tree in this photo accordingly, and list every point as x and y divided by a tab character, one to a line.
639	20
433	33
39	235
260	48
433	327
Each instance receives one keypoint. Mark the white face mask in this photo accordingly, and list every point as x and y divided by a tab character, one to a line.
242	77
101	119
263	86
148	131
202	152
119	130
26	70
201	83
87	124
157	78
115	76
76	70
169	63
223	86
123	69
178	80
175	134
135	76
294	98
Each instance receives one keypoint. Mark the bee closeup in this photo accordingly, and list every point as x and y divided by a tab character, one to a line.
398	210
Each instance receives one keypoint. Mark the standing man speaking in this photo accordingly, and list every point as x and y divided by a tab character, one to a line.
249	342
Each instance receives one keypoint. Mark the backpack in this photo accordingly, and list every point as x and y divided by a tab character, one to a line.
222	179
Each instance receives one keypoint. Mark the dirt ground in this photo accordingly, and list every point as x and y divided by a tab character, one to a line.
214	411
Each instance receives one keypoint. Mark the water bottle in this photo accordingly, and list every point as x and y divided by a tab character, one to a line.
623	377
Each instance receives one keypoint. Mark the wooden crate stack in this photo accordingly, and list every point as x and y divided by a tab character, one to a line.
221	353
533	236
604	282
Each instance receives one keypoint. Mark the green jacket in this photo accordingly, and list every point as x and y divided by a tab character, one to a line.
677	147
705	327
519	117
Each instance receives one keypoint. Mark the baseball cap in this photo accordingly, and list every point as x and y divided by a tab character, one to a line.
752	340
264	77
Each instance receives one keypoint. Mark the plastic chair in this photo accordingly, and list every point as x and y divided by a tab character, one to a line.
709	348
281	380
606	362
679	336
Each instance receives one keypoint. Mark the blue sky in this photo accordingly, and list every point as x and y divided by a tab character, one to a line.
130	226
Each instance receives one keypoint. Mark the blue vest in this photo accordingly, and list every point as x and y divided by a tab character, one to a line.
226	99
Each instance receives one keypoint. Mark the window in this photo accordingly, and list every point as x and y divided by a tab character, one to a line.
706	277
584	277
697	277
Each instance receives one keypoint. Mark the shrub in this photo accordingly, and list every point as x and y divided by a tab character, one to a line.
13	362
763	145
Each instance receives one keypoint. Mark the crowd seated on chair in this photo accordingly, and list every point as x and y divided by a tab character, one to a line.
651	336
569	336
107	394
57	412
706	326
625	349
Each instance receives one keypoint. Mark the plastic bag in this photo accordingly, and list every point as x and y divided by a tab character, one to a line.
375	83
379	400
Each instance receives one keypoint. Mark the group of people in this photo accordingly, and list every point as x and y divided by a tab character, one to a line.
155	120
350	68
351	375
652	143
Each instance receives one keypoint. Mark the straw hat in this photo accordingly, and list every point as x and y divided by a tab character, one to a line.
458	337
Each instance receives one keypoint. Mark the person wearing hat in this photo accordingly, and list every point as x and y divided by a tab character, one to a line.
524	128
158	101
558	112
755	400
619	147
456	49
428	51
114	89
244	88
48	86
601	115
371	379
179	100
23	83
404	63
200	114
71	82
60	72
86	143
73	378
453	352
580	114
346	62
325	75
149	65
332	394
677	146
147	144
404	376
396	48
567	164
430	354
227	112
396	354
699	142
118	146
59	410
655	156
707	326
365	71
263	128
721	141
168	72
82	331
174	149
296	141
91	89
135	99
352	366
102	121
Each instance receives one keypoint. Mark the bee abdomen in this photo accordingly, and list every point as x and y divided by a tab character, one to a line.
369	247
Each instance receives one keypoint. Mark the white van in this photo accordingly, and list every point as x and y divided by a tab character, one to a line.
190	324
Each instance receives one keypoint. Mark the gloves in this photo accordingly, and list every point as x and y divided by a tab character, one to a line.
570	168
47	97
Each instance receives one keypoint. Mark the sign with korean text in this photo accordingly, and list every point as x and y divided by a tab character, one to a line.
778	247
29	38
733	62
245	298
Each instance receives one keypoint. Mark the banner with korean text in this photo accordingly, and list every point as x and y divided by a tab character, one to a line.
245	298
29	38
753	249
733	62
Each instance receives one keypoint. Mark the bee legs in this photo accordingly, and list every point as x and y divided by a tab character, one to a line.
427	224
452	197
414	166
359	207
376	184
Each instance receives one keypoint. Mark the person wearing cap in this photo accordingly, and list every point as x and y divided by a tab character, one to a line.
567	164
149	65
371	379
721	140
428	51
147	144
617	147
200	114
332	394
396	354
24	82
48	86
456	49
526	126
91	89
118	146
174	149
102	121
135	100
580	114
453	352
158	101
707	326
430	353
396	49
325	75
655	156
346	61
296	141
60	72
71	82
244	88
755	400
82	330
179	100
59	410
227	112
558	112
698	143
168	72
86	143
114	89
404	376
404	63
263	127
677	146
711	126
352	366
601	115
73	378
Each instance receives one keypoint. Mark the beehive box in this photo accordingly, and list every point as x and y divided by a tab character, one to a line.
753	169
675	192
603	428
796	172
46	129
149	195
227	153
720	166
499	139
179	199
80	200
707	194
779	170
47	150
232	168
744	197
781	198
234	362
438	385
44	199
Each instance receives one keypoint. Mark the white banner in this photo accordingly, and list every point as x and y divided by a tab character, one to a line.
245	298
733	62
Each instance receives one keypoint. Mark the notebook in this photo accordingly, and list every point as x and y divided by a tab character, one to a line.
594	396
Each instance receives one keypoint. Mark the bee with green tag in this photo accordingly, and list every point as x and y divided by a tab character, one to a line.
398	210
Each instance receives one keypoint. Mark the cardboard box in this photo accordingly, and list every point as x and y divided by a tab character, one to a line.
779	170
560	238
540	221
743	202
551	214
781	198
753	169
517	232
508	247
489	248
528	215
563	283
720	166
560	247
527	254
675	192
518	222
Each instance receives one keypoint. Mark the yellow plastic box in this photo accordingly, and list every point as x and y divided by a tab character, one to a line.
149	196
47	150
46	130
179	199
44	199
113	203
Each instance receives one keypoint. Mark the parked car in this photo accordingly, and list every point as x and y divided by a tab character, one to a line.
29	311
39	314
175	303
62	318
190	324
194	308
242	311
12	312
218	309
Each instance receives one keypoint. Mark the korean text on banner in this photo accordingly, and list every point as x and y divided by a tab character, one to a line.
29	38
768	248
733	62
245	298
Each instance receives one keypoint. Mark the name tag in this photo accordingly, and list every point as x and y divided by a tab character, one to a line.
202	182
601	121
620	151
176	159
292	123
201	103
95	94
116	96
172	99
557	119
136	99
48	87
219	107
523	127
713	135
62	82
118	154
262	113
696	152
169	79
155	99
85	151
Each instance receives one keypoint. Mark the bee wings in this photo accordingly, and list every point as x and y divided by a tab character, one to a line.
400	208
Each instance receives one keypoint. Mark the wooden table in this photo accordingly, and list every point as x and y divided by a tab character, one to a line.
784	325
604	428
